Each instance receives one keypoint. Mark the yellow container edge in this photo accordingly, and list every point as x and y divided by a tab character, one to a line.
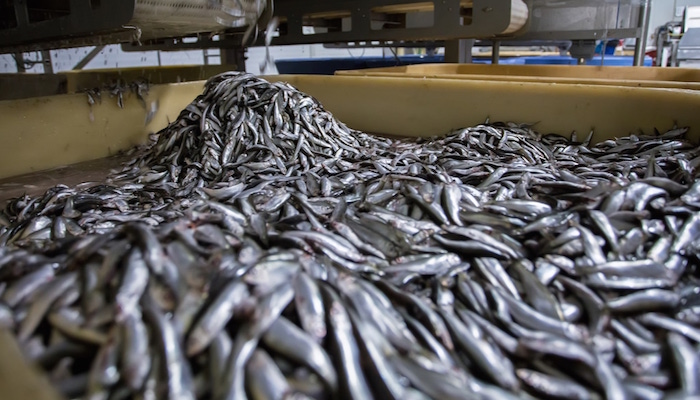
47	132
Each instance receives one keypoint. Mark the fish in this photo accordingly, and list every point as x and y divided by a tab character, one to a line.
285	338
258	247
309	305
481	352
175	377
233	299
553	386
135	360
133	284
352	380
686	362
264	379
247	338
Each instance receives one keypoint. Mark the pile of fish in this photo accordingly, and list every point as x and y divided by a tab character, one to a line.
258	248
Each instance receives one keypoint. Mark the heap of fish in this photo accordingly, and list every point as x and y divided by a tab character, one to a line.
258	248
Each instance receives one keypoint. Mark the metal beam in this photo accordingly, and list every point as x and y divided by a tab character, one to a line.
88	57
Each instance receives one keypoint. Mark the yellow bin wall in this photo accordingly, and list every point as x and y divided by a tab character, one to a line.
677	78
23	86
46	132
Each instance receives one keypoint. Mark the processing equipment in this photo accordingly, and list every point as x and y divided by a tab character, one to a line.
235	24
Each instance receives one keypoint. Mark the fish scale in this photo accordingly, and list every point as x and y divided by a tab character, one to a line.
487	251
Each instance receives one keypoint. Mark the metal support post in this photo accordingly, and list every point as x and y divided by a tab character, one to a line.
495	52
641	45
459	51
46	59
19	60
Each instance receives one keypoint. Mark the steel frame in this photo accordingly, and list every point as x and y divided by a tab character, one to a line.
489	19
83	20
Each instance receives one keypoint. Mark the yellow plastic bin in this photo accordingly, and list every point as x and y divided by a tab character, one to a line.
676	78
47	132
22	86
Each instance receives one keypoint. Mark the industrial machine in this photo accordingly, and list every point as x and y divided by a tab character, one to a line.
49	24
679	42
31	25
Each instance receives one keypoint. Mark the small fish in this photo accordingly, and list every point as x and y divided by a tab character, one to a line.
43	303
257	247
499	370
553	386
135	360
133	284
343	344
285	338
686	362
264	379
646	300
232	299
309	303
